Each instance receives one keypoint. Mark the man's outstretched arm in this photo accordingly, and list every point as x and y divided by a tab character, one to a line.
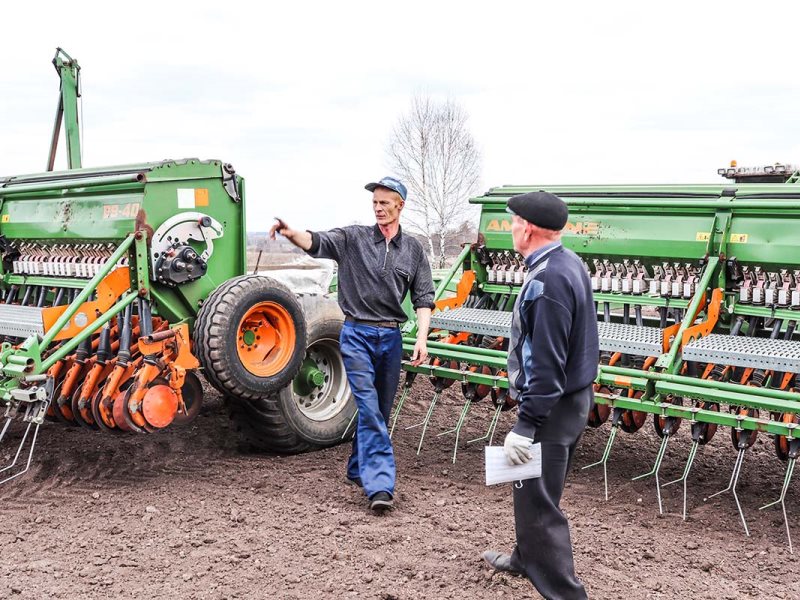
301	239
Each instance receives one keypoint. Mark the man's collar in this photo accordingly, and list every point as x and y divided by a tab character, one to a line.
377	235
534	256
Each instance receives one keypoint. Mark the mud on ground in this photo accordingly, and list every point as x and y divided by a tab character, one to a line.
186	514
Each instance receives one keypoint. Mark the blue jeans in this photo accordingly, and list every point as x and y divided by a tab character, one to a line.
372	360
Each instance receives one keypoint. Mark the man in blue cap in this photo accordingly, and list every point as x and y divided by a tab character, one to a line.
552	363
378	265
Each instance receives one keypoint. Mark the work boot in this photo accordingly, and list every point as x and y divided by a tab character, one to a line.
381	501
501	562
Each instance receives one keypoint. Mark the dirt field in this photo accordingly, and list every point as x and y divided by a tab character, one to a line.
185	514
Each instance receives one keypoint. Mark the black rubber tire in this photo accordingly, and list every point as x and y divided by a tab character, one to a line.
276	423
216	329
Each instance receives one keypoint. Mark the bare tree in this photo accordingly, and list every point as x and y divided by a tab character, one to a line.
435	155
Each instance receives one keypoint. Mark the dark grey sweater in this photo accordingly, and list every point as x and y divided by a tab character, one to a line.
374	276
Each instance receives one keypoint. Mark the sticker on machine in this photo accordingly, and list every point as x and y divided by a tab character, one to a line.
192	197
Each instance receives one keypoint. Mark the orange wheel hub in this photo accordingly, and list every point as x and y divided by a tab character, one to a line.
265	339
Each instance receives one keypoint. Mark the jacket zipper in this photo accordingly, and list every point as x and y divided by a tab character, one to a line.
385	256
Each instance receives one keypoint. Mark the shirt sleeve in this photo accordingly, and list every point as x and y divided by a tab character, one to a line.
546	380
422	285
328	244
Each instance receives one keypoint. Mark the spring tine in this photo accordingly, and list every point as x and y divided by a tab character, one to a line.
19	449
461	422
425	421
421	423
349	425
458	422
782	500
654	471
615	417
737	469
30	454
397	409
492	424
5	428
685	477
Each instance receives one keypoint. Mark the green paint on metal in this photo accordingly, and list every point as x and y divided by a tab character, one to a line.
308	379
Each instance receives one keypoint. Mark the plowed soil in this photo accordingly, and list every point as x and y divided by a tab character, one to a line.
187	514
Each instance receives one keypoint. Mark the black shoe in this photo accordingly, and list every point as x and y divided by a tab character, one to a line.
355	481
381	501
500	561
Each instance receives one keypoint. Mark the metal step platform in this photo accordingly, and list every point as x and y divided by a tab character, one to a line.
20	321
474	320
630	339
614	337
748	352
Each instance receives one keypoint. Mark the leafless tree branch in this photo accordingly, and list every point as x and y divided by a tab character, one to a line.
433	152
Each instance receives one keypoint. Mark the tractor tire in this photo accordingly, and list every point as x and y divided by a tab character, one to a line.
250	337
303	415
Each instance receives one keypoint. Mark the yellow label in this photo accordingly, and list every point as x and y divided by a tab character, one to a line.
6	218
702	236
499	225
738	238
582	228
120	211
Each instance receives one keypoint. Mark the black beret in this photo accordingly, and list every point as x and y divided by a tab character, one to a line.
540	208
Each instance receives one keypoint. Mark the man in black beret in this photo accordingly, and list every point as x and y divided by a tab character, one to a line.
552	363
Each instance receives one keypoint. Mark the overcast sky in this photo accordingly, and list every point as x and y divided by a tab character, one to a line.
301	97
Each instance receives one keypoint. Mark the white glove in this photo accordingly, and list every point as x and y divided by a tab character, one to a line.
517	448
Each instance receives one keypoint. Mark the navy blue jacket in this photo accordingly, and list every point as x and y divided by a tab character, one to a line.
554	348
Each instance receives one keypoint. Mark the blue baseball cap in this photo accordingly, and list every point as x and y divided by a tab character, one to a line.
389	183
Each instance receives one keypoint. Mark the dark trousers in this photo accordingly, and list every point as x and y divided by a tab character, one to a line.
371	358
544	548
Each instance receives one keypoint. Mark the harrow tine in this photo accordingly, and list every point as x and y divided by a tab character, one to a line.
421	423
782	499
461	417
5	428
350	424
685	477
398	408
615	417
737	469
461	424
425	421
19	450
654	471
457	429
492	425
